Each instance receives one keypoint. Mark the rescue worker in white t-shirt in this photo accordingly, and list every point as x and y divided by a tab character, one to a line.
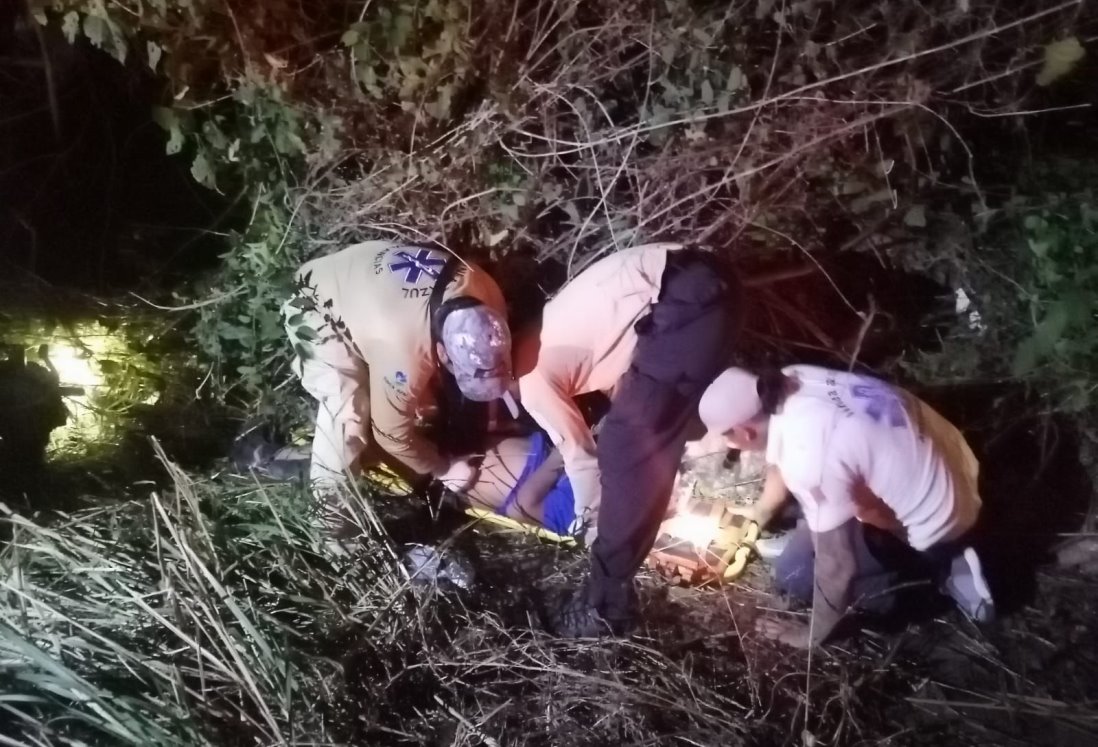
375	326
876	472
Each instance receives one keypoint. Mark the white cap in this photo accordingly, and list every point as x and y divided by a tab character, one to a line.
731	400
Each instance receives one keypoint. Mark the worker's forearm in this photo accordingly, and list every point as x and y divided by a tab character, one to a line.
412	450
586	487
773	496
336	446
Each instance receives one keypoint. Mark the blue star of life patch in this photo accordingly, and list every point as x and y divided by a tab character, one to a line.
880	403
415	266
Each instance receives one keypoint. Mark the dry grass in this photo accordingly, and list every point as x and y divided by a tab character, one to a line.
211	614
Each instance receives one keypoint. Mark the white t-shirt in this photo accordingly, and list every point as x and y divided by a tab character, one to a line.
851	446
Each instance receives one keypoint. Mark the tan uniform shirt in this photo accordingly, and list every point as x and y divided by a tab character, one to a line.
585	344
372	367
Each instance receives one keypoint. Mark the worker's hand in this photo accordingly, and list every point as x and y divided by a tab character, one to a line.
790	632
461	476
585	528
750	513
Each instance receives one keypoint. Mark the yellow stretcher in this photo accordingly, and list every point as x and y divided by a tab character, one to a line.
384	477
706	544
729	541
487	515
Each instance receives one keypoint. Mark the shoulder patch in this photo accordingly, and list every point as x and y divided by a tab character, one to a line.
397	383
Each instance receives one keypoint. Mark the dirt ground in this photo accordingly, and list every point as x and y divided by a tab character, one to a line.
481	669
696	673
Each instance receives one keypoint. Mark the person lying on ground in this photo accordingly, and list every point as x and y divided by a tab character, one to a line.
655	324
376	328
876	472
523	478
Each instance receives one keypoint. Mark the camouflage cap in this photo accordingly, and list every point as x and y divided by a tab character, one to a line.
478	344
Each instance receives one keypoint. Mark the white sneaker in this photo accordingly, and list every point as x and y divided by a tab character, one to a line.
968	587
770	548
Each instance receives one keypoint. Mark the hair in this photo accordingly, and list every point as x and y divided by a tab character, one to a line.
771	388
461	425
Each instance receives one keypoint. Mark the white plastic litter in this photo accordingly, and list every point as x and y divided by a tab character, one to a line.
428	564
964	304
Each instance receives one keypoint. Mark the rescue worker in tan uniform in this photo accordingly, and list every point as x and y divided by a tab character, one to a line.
654	325
367	325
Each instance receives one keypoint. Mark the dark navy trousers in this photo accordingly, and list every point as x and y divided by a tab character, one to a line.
684	342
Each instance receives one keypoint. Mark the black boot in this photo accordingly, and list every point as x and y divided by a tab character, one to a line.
594	612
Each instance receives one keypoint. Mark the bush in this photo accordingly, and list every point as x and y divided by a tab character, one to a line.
1034	283
774	133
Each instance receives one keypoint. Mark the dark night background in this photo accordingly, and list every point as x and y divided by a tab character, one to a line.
88	198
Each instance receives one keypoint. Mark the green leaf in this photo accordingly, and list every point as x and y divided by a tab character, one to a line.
202	172
350	37
1039	248
96	29
737	81
1052	327
154	51
296	320
707	93
1060	58
1025	357
175	142
165	117
305	334
70	26
915	216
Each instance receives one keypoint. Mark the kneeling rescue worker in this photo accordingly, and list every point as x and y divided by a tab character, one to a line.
876	472
375	327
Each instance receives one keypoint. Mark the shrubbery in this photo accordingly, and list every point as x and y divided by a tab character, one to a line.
777	133
1034	283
